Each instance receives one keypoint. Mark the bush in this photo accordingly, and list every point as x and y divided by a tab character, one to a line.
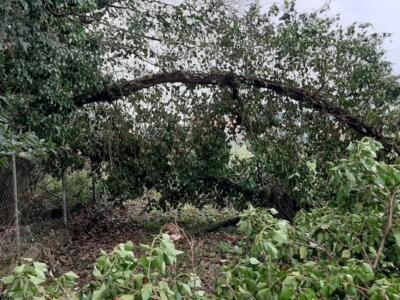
349	250
118	275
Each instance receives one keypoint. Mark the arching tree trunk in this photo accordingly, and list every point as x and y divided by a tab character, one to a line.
314	101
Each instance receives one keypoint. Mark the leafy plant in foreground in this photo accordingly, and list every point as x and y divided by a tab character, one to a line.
121	274
29	281
347	251
118	275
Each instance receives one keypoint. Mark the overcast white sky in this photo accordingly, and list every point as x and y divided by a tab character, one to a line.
383	14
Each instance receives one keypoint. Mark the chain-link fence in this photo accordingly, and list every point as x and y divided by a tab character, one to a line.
36	206
9	223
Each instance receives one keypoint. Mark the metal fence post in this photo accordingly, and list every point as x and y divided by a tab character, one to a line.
64	198
93	188
15	192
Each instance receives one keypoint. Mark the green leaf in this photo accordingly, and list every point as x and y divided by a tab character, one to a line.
96	272
368	273
397	238
8	279
71	276
303	252
40	267
346	254
159	263
254	261
145	247
147	291
308	294
138	279
380	181
312	166
19	269
280	236
186	289
350	176
273	211
129	246
289	286
264	294
98	294
36	279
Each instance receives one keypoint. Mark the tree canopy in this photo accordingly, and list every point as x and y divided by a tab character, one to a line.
155	95
210	102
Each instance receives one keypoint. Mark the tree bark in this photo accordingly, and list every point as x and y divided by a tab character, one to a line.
120	89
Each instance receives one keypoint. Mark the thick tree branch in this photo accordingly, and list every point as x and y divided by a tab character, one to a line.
316	102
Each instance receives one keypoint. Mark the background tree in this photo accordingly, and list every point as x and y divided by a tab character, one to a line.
298	86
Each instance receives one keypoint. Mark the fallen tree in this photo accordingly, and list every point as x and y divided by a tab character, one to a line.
314	101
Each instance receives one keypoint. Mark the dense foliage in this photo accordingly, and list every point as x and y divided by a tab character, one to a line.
55	55
348	249
142	94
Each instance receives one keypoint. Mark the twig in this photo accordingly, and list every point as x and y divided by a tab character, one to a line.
363	291
318	246
386	232
191	245
365	254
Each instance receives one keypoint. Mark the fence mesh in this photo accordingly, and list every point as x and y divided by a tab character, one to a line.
36	224
8	230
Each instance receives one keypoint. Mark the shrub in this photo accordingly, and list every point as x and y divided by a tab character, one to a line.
118	275
348	250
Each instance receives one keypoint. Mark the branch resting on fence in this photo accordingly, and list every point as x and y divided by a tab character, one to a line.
120	89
